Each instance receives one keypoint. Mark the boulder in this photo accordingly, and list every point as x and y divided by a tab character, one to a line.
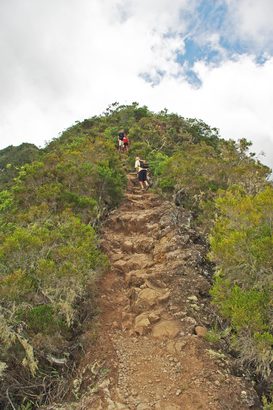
200	331
154	317
142	323
147	298
175	347
151	296
139	261
120	265
166	328
135	277
116	256
165	297
128	246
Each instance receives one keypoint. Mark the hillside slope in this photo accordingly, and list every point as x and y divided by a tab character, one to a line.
51	219
153	301
12	158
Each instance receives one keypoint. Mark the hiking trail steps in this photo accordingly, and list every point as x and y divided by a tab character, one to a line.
147	355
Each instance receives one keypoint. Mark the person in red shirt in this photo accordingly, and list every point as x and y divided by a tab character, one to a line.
125	142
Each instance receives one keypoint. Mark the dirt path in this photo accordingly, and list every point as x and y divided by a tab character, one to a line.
148	355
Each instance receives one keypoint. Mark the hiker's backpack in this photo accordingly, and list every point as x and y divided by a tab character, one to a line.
121	136
143	164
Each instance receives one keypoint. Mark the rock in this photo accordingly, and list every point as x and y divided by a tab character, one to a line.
201	331
175	347
154	317
166	328
151	296
165	297
127	246
134	262
167	243
193	298
117	256
135	277
120	265
142	323
144	244
139	261
147	298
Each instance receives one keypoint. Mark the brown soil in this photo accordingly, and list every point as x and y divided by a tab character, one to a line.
147	355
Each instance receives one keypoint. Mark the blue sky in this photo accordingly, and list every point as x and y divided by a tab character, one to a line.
67	60
210	17
209	38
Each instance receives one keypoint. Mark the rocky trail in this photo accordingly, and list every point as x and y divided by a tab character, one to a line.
150	352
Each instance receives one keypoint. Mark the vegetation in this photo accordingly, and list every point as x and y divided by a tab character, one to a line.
12	158
241	247
49	259
51	209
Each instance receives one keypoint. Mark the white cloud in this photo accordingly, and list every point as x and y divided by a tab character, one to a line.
236	97
252	21
67	60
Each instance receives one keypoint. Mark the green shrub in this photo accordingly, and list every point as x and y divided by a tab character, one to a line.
15	286
242	248
267	405
42	319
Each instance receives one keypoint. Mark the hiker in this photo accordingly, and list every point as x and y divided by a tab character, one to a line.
121	136
125	142
141	168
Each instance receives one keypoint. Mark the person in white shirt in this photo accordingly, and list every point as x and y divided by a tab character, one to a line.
141	173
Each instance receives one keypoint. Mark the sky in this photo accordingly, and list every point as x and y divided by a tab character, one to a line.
66	60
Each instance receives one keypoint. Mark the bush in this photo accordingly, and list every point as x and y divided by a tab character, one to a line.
242	247
41	319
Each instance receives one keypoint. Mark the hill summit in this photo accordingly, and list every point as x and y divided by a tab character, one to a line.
59	252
